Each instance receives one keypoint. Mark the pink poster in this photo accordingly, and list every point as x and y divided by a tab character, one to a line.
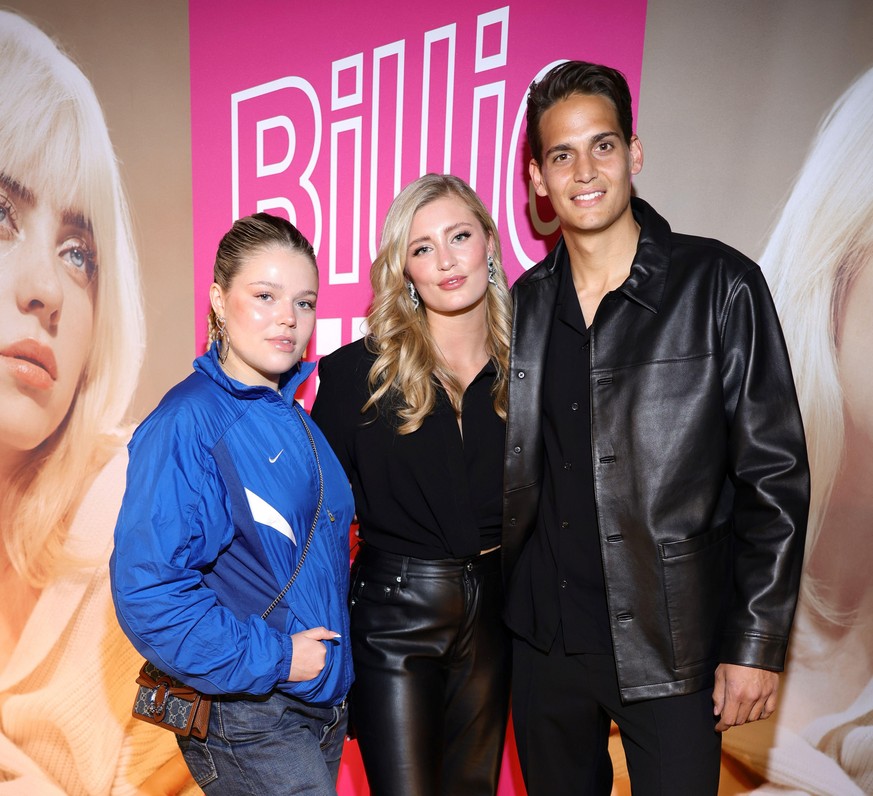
323	112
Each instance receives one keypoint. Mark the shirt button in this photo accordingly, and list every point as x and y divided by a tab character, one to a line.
563	584
568	465
565	524
574	406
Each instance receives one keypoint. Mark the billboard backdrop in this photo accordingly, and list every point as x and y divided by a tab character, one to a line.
323	113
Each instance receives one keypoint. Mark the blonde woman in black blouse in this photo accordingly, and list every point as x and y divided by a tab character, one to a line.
416	413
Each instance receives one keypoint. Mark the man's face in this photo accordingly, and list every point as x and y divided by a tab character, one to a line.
587	166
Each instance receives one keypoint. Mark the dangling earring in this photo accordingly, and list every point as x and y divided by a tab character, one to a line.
492	270
223	339
413	295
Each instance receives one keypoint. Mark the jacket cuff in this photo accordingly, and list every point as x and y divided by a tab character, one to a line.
287	655
756	650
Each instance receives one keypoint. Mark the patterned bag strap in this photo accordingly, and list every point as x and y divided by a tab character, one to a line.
314	519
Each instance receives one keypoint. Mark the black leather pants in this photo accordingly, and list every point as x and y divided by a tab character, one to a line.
432	668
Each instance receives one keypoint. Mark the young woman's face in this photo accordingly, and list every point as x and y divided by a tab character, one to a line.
447	257
269	311
48	269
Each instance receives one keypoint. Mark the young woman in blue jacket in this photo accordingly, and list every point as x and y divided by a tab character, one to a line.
229	486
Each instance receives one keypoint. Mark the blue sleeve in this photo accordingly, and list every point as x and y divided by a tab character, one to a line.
174	521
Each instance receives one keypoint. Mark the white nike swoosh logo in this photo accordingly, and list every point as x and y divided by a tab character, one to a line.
274	459
265	514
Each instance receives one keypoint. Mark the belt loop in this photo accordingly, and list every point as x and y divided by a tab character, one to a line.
404	565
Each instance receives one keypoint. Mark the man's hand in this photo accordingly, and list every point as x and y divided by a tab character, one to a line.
743	694
309	653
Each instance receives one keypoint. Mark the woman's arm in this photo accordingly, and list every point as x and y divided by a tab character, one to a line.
174	522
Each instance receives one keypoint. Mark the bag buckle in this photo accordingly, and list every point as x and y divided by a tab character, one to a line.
158	705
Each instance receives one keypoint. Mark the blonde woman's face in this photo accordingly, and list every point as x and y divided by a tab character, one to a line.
855	356
47	268
447	257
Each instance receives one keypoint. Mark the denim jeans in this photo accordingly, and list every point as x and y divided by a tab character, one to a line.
266	746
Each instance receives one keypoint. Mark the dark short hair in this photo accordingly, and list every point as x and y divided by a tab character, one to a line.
577	77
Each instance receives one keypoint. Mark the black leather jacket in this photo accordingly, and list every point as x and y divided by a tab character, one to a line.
701	479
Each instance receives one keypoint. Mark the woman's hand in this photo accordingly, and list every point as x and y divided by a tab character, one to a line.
310	652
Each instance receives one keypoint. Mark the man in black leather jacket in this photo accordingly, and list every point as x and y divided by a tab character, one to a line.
656	479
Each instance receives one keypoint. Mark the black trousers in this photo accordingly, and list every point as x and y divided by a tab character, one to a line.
561	710
432	666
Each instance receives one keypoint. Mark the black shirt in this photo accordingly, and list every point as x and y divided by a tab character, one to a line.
430	494
559	577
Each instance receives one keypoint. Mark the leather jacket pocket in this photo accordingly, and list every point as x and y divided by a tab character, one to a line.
697	577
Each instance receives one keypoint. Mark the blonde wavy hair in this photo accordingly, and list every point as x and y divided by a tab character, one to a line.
402	377
822	240
54	138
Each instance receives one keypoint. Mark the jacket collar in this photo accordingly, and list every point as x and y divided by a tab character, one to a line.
209	365
648	275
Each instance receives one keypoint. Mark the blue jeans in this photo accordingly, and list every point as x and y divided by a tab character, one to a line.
273	745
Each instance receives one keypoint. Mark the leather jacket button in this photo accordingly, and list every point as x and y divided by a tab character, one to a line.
521	374
516	449
574	406
512	520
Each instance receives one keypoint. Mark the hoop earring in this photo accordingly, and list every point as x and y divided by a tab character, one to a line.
413	295
492	269
223	339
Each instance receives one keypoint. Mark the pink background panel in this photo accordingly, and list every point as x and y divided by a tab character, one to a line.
322	112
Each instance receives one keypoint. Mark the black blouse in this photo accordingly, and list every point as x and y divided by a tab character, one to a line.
429	494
